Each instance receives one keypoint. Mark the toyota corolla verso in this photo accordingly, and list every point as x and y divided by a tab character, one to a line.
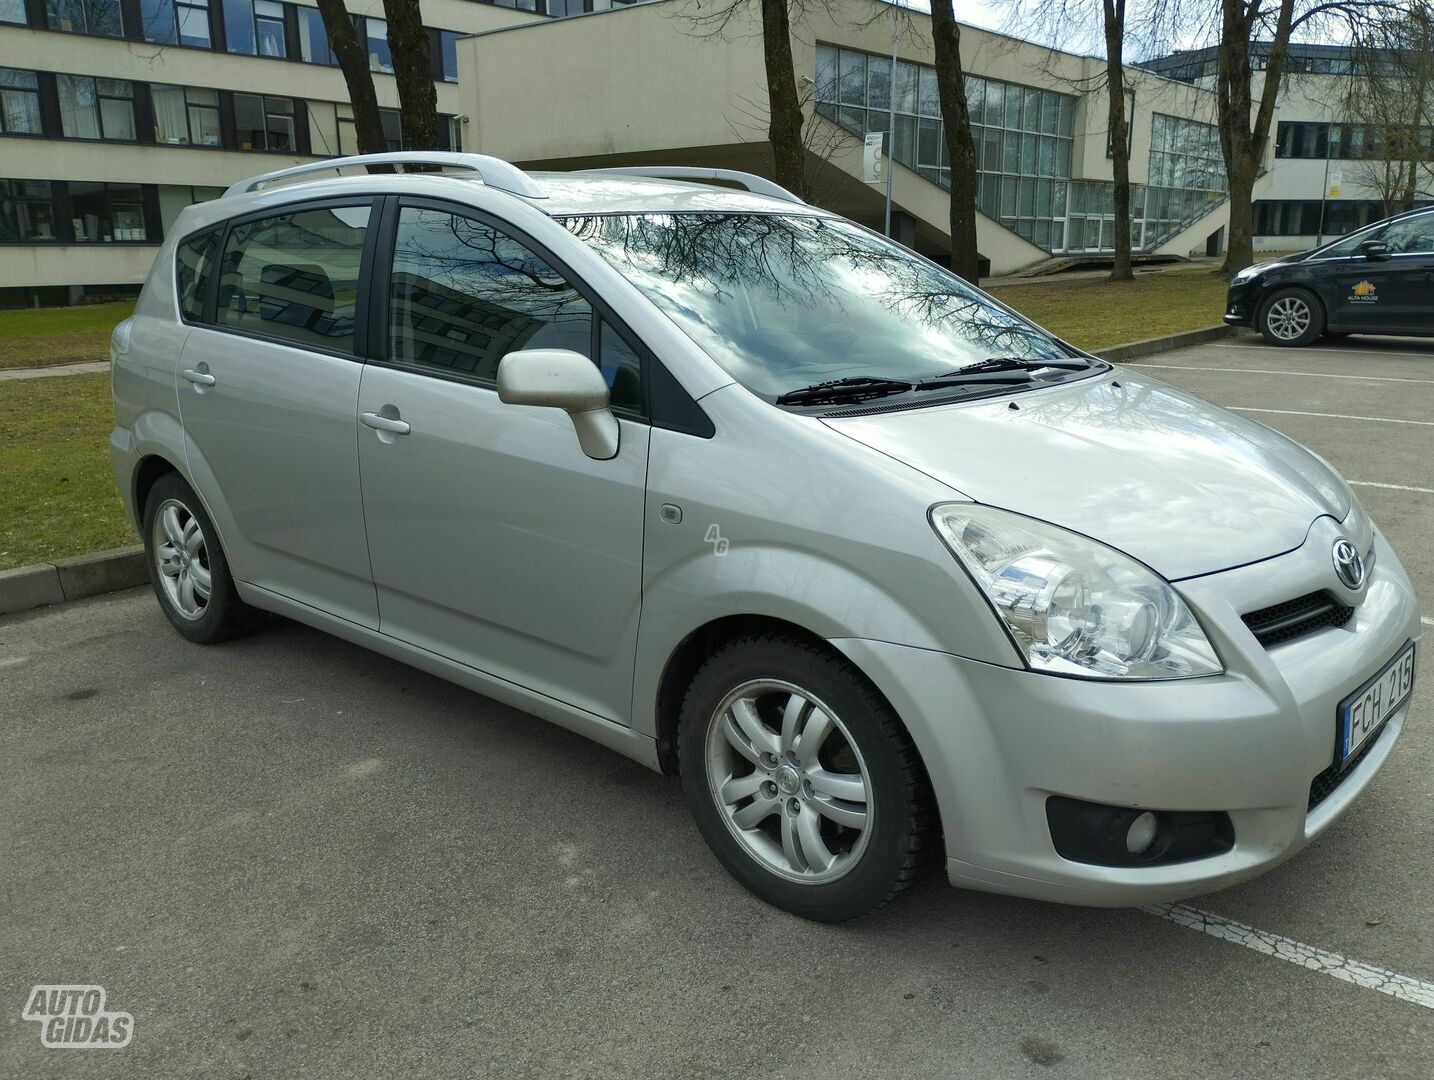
749	493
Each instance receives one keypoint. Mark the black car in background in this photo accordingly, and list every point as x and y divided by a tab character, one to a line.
1377	280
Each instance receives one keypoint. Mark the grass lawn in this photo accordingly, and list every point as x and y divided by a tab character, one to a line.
57	493
38	337
1092	313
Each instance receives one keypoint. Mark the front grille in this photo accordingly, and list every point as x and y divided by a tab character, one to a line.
1297	618
1324	785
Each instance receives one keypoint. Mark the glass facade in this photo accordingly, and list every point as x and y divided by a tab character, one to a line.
1024	147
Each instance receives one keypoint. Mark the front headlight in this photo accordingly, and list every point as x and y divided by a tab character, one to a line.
1075	607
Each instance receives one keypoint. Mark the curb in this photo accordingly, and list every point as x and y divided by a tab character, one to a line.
1132	350
28	587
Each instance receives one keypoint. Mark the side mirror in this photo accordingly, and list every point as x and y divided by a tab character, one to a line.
1374	249
563	379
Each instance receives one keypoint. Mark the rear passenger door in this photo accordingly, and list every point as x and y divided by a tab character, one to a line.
268	388
494	540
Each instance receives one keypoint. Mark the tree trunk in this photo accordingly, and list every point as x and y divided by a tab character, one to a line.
1240	249
1119	135
413	70
353	62
951	89
784	107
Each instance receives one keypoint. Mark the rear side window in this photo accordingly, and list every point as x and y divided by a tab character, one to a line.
193	266
463	294
295	276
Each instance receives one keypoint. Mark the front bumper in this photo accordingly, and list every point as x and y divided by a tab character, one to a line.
998	742
1240	304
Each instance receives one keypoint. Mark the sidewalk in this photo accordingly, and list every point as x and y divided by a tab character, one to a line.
93	368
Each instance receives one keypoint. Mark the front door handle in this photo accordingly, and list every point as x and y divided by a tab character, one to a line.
390	424
199	378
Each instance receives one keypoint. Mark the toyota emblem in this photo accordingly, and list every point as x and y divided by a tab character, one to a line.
1348	564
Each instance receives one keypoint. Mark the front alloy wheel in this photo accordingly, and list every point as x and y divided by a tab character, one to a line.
789	781
1291	317
801	777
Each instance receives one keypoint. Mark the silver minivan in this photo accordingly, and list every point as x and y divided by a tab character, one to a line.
747	492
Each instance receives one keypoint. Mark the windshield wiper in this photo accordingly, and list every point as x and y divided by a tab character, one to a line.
856	388
1014	363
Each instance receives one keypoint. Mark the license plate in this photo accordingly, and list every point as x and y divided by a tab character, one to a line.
1362	714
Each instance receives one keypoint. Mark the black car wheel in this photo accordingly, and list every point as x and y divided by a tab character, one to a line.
1291	317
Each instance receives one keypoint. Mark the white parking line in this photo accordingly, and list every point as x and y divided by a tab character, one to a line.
1273	371
1327	352
1332	416
1391	487
1404	987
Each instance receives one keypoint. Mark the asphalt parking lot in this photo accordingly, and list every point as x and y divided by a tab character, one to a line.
289	857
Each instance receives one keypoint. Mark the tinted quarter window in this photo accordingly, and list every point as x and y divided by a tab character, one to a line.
192	266
295	276
463	294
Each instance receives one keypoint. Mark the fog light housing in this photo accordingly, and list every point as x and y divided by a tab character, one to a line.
1141	835
1103	835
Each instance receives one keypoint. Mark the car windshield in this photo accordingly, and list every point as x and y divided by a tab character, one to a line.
785	302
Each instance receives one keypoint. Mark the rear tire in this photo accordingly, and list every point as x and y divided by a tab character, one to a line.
1291	317
802	779
187	567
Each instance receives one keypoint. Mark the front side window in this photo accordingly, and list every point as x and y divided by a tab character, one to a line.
295	276
783	302
1410	236
19	102
193	262
462	295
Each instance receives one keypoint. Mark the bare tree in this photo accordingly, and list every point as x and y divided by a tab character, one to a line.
1244	119
412	66
1113	23
784	106
413	69
1389	101
353	62
960	147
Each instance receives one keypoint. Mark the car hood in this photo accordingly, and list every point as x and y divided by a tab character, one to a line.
1180	484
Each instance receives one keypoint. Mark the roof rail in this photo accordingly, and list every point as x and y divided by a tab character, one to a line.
757	185
494	172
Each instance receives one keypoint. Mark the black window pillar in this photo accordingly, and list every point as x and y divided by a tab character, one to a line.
35	11
291	32
302	142
133	19
143	112
50	121
228	127
64	217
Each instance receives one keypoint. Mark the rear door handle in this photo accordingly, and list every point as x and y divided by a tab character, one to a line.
199	378
385	423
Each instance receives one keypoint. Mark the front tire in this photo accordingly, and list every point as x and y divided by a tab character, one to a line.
801	778
187	567
1291	317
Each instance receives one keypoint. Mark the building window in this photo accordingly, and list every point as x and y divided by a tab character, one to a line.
176	22
264	123
100	17
19	102
392	121
448	55
96	108
185	116
106	213
255	27
1307	217
13	11
379	57
27	213
314	38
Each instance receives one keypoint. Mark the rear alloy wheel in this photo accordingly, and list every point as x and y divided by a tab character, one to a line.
1291	317
801	778
187	566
